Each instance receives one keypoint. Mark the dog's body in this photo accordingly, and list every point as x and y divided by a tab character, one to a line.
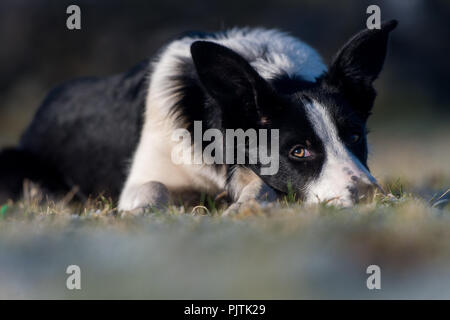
114	135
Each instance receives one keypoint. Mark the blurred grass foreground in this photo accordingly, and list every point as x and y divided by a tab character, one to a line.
283	251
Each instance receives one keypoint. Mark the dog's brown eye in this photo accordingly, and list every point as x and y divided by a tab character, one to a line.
300	152
354	138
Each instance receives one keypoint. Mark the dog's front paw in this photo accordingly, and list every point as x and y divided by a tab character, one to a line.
248	207
254	197
233	209
133	212
136	200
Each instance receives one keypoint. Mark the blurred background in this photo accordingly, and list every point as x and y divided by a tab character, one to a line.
410	126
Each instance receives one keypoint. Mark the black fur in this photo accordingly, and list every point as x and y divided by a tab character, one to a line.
358	64
84	134
17	165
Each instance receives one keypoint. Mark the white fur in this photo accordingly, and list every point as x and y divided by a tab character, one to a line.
270	52
333	183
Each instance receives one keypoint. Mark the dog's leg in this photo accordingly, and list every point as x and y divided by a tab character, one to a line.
152	173
246	186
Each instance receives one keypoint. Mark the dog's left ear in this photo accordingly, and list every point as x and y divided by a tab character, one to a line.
233	83
358	63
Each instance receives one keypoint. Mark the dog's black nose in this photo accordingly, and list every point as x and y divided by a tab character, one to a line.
364	191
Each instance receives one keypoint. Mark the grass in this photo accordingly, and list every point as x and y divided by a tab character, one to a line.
286	250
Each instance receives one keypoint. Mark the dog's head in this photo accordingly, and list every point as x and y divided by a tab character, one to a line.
322	124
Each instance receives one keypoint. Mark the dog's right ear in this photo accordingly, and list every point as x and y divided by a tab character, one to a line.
358	63
231	81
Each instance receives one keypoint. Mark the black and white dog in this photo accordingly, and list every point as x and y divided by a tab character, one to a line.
113	135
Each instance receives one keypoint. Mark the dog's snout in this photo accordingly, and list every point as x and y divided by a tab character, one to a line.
345	183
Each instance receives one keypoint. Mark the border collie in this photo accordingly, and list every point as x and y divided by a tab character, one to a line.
113	135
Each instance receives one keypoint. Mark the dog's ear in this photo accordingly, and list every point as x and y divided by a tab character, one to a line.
232	82
358	63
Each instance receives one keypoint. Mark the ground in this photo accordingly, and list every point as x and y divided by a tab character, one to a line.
285	251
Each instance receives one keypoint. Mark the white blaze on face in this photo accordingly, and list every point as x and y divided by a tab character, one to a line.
343	179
